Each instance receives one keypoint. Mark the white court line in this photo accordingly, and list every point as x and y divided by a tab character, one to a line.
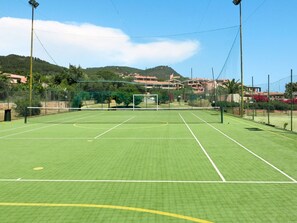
211	161
146	138
47	138
31	130
145	181
242	146
12	129
43	127
98	136
107	138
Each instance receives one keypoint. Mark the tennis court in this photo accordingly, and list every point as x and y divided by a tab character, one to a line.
146	166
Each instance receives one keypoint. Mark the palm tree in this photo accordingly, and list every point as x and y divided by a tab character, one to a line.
233	87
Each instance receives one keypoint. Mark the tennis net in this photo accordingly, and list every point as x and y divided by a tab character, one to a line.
191	115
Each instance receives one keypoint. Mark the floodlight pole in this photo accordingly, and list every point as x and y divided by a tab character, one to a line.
34	5
238	2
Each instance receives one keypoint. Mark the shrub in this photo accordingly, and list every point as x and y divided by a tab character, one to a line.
77	102
273	105
226	104
260	98
199	103
21	107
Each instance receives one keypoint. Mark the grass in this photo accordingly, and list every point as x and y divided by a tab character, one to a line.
146	166
280	119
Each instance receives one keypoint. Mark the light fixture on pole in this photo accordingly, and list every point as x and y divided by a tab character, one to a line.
238	2
34	5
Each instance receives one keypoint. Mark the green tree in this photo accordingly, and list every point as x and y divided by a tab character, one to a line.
290	88
72	76
107	75
125	94
5	86
163	95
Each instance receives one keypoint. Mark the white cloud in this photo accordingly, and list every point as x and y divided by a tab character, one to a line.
89	45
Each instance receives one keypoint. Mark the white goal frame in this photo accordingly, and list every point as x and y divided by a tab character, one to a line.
146	96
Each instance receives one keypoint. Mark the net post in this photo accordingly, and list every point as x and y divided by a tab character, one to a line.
133	102
222	114
26	115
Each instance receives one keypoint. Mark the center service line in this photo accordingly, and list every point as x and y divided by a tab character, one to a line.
98	136
211	161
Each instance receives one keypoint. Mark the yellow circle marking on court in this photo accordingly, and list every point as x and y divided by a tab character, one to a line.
168	214
38	168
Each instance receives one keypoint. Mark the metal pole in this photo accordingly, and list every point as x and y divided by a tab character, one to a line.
215	87
222	114
241	64
268	95
133	103
31	61
253	98
34	5
292	100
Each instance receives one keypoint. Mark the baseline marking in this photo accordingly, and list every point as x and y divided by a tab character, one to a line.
251	152
211	161
98	136
124	208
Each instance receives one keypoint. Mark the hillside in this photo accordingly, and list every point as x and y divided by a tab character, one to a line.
113	69
21	65
161	72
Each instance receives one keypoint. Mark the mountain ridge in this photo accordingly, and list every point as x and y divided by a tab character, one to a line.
21	65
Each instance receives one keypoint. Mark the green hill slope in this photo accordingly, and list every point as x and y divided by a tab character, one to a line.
21	65
161	72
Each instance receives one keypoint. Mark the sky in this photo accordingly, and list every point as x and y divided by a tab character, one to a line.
197	38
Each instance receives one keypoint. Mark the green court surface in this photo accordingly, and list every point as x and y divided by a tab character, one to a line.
146	166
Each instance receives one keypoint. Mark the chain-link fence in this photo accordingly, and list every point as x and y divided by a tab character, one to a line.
274	103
